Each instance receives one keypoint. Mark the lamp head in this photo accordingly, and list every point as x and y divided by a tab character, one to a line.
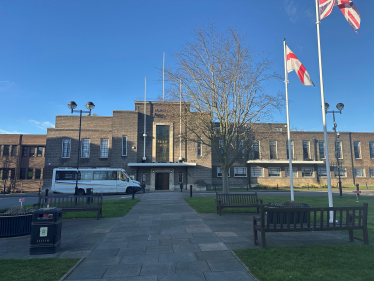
72	105
327	106
90	105
340	106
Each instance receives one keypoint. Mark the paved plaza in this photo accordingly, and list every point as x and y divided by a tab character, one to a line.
162	238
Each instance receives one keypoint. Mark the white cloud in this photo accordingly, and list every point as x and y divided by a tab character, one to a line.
291	10
10	132
8	86
42	125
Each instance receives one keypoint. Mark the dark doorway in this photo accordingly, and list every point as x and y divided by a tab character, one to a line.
162	181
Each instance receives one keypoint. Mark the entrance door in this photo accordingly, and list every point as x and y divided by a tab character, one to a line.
162	181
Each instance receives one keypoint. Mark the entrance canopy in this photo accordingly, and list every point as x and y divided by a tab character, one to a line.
161	165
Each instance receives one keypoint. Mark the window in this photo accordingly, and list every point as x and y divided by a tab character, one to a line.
104	148
322	172
343	172
256	150
199	147
321	149
102	175
162	143
124	146
359	173
12	174
371	148
274	172
292	150
294	172
257	172
22	175
273	149
306	150
338	150
37	174
66	143
29	173
14	150
25	151
220	143
6	150
278	129
357	149
371	172
86	175
219	173
5	174
39	152
85	148
240	172
32	151
180	177
307	172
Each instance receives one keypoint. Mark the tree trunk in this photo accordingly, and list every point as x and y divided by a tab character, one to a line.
225	181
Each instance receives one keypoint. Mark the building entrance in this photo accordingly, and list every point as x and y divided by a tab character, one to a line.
162	181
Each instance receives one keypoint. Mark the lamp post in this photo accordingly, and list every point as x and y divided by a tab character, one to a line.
340	107
72	105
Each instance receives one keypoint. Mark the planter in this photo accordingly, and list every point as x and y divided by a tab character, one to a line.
15	225
292	214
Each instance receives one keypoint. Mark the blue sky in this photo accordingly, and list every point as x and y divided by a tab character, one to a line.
52	52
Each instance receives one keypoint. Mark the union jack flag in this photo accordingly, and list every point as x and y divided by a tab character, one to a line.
347	7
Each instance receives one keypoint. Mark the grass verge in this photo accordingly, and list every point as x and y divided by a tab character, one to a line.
111	209
50	269
323	263
208	205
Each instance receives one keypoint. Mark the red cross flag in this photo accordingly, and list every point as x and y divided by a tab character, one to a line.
293	63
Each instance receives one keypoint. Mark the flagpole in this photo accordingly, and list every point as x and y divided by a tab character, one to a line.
288	121
324	114
163	78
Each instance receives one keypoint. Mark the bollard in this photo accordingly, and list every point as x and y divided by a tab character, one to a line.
277	188
39	193
215	188
133	193
367	185
181	187
46	194
358	189
247	187
191	191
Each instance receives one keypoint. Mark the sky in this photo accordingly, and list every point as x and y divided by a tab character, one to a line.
53	52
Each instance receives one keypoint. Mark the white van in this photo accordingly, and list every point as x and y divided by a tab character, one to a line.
102	180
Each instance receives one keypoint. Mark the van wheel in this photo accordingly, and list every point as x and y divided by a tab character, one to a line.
81	191
129	190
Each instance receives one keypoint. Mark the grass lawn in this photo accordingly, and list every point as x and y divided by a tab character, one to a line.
322	263
35	269
350	262
111	209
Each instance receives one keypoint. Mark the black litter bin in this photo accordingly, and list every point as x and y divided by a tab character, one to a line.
46	231
89	191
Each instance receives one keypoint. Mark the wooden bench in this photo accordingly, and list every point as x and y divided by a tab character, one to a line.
310	219
73	203
237	201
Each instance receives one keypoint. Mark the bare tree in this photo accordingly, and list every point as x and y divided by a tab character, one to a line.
223	81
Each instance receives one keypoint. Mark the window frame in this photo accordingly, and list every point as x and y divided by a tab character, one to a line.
319	149
371	149
219	172
319	173
253	150
371	172
37	151
13	151
89	148
359	149
199	144
40	173
28	170
341	169
101	154
8	150
272	169
276	149
125	145
303	172
254	172
31	151
294	169
235	172
355	173
179	176
68	150
341	149
308	142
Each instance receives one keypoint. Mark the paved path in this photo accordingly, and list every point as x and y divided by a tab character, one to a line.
162	238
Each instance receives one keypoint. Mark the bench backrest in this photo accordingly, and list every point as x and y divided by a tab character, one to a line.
237	199
315	218
71	201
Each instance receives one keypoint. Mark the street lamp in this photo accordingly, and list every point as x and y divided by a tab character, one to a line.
340	107
72	105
